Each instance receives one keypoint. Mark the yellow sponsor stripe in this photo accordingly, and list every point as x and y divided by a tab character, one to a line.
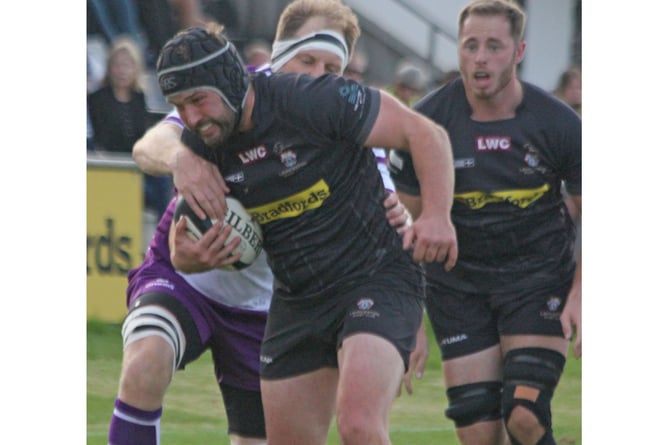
521	197
294	205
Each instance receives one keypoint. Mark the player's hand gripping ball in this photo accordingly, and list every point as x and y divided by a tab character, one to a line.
242	224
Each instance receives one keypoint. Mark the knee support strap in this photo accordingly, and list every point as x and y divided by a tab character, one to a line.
474	402
155	314
530	378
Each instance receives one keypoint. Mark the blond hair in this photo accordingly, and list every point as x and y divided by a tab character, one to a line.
126	44
507	8
339	16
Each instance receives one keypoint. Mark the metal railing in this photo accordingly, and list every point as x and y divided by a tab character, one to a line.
434	30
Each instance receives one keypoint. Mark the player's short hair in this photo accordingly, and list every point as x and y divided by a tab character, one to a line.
507	8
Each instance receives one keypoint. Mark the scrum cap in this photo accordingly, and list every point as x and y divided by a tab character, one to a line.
331	41
195	59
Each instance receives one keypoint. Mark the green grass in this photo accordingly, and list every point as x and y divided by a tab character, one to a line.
193	411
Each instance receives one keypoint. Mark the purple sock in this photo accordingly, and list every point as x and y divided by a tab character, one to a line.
133	426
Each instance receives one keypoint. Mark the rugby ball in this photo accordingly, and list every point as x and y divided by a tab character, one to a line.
243	226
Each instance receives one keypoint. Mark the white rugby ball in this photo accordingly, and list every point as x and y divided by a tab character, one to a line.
243	226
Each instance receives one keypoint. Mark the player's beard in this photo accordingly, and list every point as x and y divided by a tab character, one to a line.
503	80
224	129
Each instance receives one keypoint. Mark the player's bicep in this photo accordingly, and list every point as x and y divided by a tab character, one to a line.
394	124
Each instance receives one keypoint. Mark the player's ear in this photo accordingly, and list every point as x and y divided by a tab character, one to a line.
520	51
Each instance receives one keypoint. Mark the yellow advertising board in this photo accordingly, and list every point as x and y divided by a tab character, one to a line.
114	202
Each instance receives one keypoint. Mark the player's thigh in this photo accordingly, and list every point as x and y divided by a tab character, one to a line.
371	370
299	409
555	343
481	366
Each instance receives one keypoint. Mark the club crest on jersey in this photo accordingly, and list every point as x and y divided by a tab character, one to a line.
252	155
553	303
364	310
532	157
493	143
365	304
289	158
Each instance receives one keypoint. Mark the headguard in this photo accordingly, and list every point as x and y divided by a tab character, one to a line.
331	41
195	59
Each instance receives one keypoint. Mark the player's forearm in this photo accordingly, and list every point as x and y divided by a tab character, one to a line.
156	151
433	160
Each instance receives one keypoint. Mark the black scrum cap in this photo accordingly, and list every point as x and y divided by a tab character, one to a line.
195	59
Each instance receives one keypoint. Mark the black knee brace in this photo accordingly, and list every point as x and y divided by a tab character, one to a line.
530	378
474	402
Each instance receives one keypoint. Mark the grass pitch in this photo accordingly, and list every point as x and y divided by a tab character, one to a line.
193	411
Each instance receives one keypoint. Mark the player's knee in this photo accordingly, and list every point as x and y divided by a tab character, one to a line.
523	426
530	378
154	321
358	425
354	429
147	365
474	402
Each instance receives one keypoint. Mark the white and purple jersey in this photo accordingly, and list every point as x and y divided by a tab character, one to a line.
249	288
228	309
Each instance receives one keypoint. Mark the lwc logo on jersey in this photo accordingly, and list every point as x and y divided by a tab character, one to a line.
493	143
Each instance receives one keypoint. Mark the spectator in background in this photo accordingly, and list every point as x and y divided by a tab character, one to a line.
113	18
447	76
117	108
161	19
569	88
119	116
91	85
409	85
357	66
257	53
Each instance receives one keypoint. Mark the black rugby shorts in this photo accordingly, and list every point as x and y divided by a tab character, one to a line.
302	338
465	323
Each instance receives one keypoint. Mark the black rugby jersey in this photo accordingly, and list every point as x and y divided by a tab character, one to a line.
304	175
510	219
